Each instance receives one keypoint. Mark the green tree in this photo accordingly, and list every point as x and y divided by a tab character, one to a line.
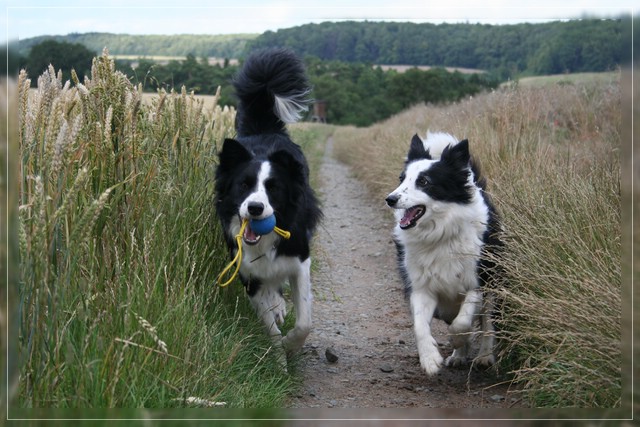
62	55
510	50
10	60
360	94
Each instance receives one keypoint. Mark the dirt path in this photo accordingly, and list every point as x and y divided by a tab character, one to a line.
361	315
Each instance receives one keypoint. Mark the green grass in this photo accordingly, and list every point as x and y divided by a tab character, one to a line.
119	247
312	138
119	251
550	154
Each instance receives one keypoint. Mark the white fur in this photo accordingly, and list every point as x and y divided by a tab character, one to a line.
440	256
259	195
435	142
260	261
290	110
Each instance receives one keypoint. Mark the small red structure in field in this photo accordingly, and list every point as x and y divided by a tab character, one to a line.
319	111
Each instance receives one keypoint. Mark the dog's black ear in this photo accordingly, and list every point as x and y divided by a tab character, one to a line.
416	150
233	154
457	155
288	162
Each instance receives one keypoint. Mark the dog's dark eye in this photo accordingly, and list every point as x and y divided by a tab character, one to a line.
423	181
245	185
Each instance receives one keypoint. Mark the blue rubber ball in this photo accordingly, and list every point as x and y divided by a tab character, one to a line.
263	226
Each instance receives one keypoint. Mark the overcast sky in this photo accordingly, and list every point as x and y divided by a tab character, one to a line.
30	18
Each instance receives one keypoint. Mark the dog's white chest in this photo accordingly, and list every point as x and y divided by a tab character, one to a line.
446	270
261	261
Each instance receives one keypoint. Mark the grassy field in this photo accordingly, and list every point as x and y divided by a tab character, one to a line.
612	77
551	154
403	68
119	248
119	251
163	59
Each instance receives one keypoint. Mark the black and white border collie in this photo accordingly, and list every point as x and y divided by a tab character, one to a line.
446	226
262	172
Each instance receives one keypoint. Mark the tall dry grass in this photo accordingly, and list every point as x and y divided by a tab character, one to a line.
551	155
119	250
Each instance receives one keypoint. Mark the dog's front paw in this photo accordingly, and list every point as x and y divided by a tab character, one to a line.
291	345
456	361
485	361
294	340
459	357
431	362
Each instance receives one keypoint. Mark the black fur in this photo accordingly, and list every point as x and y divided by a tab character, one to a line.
417	150
447	181
265	74
443	211
400	254
262	136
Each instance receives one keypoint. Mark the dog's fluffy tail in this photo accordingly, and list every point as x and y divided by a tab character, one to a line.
272	89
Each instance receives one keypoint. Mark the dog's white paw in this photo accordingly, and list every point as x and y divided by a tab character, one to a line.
294	340
431	362
459	356
485	361
456	360
292	344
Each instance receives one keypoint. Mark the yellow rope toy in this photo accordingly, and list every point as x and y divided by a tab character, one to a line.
238	258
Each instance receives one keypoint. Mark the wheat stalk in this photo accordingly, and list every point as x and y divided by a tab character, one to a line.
151	330
88	220
200	402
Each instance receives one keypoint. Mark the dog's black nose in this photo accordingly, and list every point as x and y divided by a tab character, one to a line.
392	199
255	208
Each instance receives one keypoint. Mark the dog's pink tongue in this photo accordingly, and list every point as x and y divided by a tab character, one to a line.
409	214
249	234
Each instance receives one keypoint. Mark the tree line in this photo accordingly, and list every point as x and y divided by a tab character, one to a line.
507	50
362	94
355	93
199	45
341	60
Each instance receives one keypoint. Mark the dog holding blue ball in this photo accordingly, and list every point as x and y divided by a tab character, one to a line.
264	202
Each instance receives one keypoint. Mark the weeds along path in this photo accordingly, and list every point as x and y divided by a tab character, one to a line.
361	317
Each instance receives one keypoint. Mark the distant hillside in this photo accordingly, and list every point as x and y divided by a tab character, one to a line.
220	46
506	51
509	50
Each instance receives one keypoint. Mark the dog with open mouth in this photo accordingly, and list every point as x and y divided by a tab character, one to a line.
446	234
263	176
